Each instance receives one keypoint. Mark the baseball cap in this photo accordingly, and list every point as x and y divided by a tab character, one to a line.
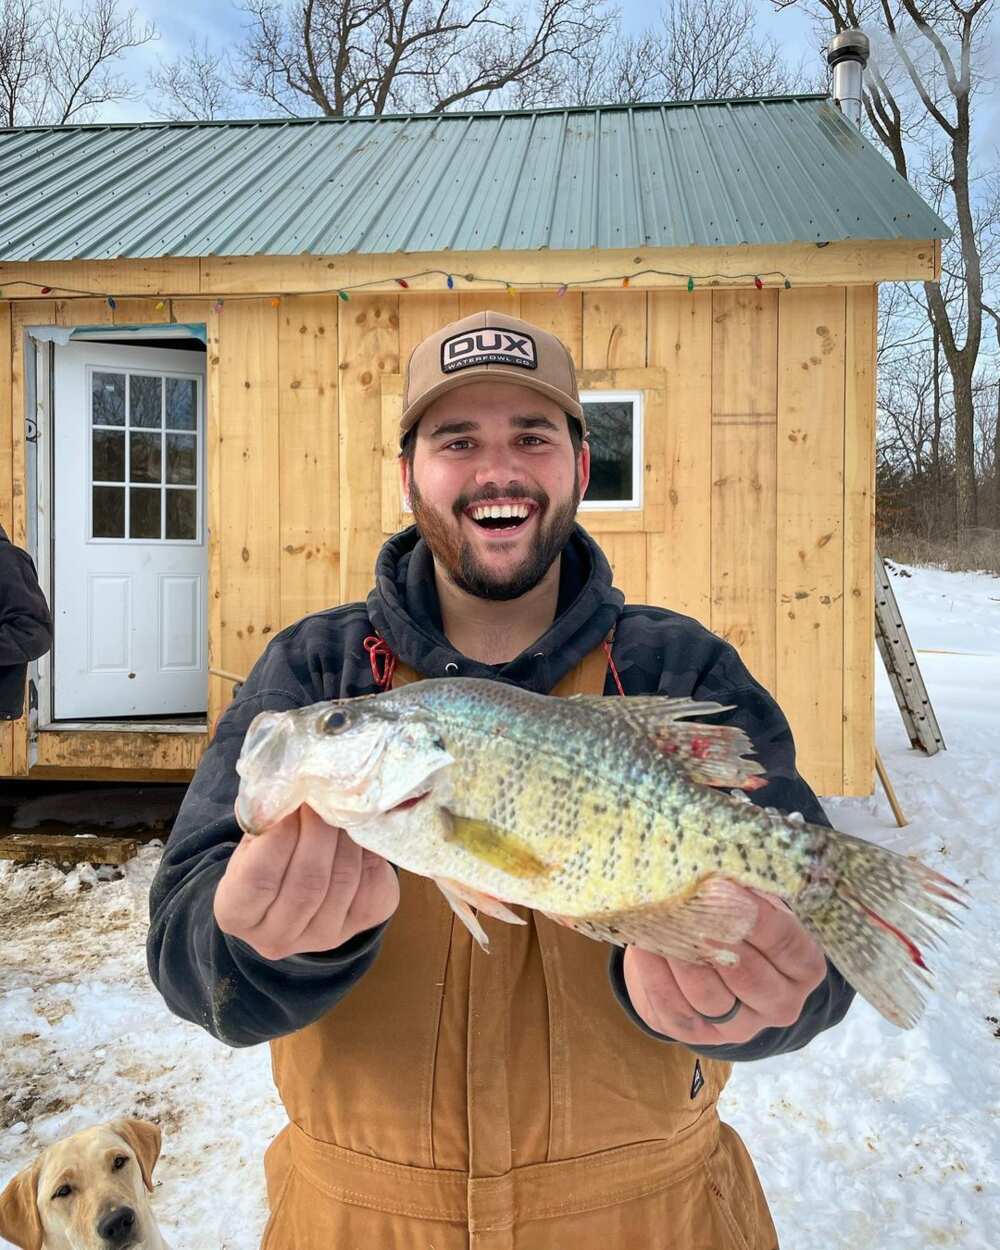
489	346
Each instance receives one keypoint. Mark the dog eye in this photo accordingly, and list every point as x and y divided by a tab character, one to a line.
120	1161
63	1192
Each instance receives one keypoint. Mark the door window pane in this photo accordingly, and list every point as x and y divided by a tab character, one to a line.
181	516
109	455
144	512
611	433
181	450
109	512
107	391
144	457
145	401
182	398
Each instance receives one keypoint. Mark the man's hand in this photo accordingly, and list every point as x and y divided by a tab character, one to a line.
303	887
779	965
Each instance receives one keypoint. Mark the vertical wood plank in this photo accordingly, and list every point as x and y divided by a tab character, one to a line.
626	554
140	312
309	444
421	315
248	472
859	541
679	560
369	347
614	329
25	313
83	312
508	302
744	413
810	502
561	315
6	492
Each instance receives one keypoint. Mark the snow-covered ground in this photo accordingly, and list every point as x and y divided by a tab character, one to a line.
871	1138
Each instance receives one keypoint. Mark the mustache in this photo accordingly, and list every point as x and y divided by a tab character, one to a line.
490	493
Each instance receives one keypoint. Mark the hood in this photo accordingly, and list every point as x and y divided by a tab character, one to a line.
404	609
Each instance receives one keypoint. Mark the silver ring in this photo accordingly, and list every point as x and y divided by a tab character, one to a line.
723	1019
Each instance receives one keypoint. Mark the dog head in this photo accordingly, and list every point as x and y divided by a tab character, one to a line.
87	1192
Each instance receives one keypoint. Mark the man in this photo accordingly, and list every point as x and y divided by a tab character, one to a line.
551	1093
25	624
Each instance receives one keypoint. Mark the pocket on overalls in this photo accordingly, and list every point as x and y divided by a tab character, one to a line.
737	1192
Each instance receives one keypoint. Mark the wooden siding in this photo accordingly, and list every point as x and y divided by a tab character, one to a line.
760	464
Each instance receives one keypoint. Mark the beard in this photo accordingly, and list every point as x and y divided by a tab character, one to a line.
457	556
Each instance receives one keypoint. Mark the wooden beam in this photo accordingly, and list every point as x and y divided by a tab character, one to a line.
847	263
29	848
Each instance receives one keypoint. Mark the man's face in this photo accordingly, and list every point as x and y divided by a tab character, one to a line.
504	445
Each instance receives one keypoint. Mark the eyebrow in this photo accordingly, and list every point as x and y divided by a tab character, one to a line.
467	427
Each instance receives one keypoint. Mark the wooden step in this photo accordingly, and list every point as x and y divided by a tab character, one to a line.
27	848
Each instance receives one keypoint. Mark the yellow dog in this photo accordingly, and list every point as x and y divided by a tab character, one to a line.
87	1192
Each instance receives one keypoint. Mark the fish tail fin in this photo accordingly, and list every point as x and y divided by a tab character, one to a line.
881	909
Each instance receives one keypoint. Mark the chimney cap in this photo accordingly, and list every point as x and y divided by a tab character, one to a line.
849	45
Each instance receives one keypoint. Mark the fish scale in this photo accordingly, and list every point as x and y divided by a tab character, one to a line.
612	816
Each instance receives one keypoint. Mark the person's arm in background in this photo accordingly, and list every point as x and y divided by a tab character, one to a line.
25	621
253	938
808	994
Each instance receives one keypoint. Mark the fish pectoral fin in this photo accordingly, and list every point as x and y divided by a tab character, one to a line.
696	926
709	754
496	847
485	903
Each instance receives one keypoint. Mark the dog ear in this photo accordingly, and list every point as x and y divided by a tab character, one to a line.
20	1221
144	1138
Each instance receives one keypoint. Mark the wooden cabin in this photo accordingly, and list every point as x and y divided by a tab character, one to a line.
204	332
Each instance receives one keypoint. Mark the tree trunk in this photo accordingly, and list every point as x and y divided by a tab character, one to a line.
965	469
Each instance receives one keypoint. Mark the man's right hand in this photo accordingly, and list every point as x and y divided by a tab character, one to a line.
303	887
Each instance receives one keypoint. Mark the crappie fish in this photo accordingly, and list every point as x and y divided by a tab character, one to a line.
606	814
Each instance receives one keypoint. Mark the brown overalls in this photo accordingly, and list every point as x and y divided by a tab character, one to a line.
458	1100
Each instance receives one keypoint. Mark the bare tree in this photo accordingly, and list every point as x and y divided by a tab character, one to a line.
343	58
55	62
194	86
937	45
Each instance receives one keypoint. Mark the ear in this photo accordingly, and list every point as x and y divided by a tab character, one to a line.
20	1222
144	1138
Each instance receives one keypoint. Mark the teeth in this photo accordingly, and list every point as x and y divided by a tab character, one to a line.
500	511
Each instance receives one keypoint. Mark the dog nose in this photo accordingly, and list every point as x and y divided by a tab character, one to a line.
116	1226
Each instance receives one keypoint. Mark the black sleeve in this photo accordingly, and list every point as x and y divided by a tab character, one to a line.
25	622
758	714
205	975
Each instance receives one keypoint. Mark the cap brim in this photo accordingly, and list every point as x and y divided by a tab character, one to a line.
490	373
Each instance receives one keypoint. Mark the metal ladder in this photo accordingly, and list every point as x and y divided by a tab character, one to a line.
901	665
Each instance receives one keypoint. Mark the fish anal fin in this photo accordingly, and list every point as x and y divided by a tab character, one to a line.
712	755
697	926
496	847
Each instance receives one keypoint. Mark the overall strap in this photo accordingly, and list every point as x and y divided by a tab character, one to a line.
586	678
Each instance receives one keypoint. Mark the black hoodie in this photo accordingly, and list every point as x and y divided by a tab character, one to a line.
25	624
222	984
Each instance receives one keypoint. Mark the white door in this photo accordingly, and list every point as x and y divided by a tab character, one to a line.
129	558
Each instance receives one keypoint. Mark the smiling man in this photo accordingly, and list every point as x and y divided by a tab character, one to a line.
551	1092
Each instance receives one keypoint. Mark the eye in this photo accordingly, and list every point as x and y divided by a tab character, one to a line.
334	722
120	1161
63	1191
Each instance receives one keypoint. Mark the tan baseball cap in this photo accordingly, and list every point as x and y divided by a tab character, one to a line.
489	346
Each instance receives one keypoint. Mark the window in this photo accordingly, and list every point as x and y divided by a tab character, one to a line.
614	426
144	462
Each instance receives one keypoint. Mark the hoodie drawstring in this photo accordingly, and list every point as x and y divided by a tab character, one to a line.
378	649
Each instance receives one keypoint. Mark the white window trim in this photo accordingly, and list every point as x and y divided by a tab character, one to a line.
637	399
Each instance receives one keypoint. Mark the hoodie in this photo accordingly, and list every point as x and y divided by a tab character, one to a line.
222	984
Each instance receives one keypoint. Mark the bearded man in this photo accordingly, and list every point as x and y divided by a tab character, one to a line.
553	1092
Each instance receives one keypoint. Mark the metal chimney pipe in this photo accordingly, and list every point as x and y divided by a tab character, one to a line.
847	56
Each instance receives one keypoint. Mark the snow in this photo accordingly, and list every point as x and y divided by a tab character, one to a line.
877	1137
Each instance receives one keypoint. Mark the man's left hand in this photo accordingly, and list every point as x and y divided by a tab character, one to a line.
779	964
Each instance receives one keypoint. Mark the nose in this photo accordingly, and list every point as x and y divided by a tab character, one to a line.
116	1227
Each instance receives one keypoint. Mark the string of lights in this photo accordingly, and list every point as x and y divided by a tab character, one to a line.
692	281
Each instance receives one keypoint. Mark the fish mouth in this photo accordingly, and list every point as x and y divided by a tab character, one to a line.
410	802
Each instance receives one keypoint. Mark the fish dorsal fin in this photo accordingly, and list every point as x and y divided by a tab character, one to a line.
495	846
709	754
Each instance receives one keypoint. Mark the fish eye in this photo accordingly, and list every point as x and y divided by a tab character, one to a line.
63	1191
119	1161
333	722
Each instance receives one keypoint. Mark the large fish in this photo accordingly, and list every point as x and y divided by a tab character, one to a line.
610	815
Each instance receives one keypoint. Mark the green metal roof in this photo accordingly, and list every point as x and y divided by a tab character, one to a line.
776	170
